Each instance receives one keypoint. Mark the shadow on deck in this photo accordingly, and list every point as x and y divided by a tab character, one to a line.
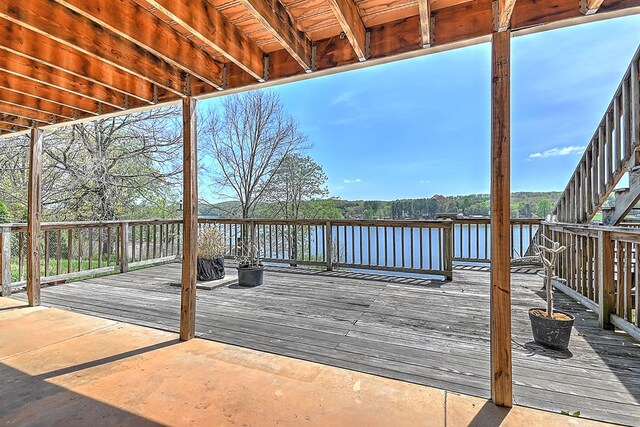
418	330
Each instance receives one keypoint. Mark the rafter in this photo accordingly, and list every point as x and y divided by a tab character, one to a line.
28	68
19	121
30	104
49	93
424	7
502	10
351	23
275	18
74	30
141	27
589	7
25	113
8	129
213	29
35	46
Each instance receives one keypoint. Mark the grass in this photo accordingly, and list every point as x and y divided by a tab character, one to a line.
75	265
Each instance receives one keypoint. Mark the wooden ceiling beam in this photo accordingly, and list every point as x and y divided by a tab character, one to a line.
424	7
8	128
21	122
49	93
502	10
137	25
76	31
32	70
348	16
589	7
275	18
212	28
24	42
25	113
32	106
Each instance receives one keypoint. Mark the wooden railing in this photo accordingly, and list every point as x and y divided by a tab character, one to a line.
608	155
423	247
600	269
76	249
472	238
79	249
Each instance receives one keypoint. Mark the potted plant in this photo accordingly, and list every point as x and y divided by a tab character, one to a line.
250	268
211	250
550	328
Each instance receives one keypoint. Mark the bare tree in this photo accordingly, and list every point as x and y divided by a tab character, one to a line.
250	136
102	169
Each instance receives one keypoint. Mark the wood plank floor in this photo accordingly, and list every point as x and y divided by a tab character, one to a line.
423	331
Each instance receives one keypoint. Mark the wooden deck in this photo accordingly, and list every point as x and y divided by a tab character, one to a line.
423	331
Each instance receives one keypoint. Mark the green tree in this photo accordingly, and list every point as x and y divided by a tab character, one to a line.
101	170
544	208
5	215
321	209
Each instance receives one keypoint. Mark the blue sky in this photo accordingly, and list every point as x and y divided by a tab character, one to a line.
421	127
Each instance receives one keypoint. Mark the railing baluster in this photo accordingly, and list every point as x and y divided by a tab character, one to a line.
46	253
21	256
69	250
58	251
5	261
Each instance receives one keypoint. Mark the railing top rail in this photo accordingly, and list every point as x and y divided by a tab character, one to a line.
439	223
72	225
523	221
592	230
358	222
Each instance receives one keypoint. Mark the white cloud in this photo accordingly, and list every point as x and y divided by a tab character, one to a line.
345	98
352	181
424	181
338	187
558	151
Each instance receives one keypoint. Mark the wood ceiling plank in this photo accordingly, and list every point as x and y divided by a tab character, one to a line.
49	93
35	46
69	28
503	9
30	69
424	7
351	23
25	113
137	25
213	29
28	106
275	18
20	122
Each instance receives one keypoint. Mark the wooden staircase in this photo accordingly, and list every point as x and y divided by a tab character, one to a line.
614	150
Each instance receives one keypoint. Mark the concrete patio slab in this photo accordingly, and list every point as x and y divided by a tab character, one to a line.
63	368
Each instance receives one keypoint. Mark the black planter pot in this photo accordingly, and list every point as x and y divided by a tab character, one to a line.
250	276
210	269
551	333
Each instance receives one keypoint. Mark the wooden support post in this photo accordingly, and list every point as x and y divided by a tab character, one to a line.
328	245
5	261
189	220
34	217
606	288
448	250
124	247
501	370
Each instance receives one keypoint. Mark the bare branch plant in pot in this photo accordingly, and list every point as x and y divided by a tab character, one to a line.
550	328
211	248
250	268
